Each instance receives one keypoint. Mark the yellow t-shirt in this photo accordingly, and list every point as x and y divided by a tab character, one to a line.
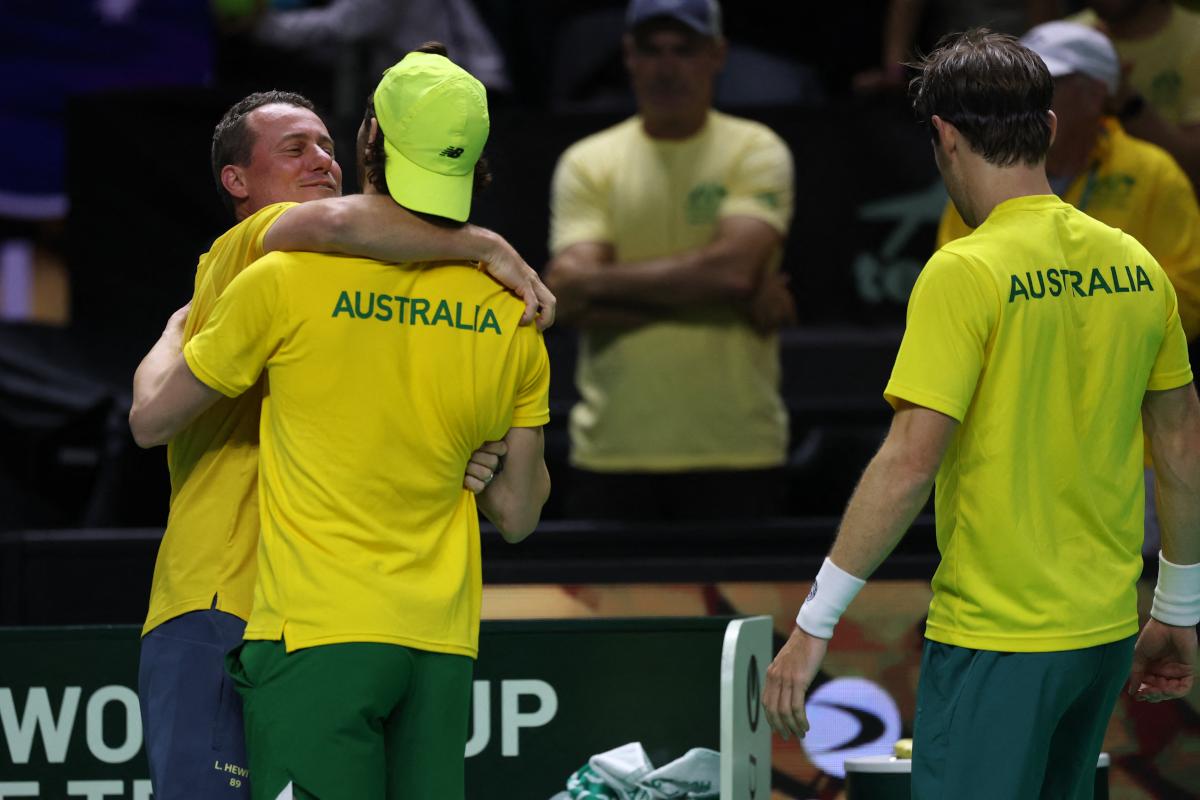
382	382
1165	66
701	389
1138	187
212	528
1040	333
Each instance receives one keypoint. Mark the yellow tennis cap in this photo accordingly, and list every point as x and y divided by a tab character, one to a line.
434	119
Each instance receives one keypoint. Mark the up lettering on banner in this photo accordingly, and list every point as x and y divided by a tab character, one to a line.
512	719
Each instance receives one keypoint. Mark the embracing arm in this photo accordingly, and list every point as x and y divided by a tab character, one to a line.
169	398
513	500
166	396
374	226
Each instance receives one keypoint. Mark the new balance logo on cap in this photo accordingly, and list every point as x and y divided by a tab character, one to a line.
451	152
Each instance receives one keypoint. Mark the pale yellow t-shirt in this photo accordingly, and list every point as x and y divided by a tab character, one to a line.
699	389
1165	66
208	548
1138	187
383	379
1040	332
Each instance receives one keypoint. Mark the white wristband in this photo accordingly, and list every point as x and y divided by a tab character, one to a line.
1177	596
831	592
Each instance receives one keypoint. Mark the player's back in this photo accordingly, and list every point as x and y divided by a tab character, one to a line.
382	380
1040	497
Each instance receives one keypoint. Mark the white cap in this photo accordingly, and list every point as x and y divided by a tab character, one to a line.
1068	47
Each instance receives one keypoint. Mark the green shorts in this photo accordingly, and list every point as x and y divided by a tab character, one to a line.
353	721
1013	726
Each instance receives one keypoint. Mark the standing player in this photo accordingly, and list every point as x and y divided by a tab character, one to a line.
1036	351
357	668
270	152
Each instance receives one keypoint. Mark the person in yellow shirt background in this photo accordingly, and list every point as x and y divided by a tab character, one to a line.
666	236
1039	353
1159	98
270	152
384	382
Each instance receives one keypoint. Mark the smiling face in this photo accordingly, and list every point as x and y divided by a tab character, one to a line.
291	160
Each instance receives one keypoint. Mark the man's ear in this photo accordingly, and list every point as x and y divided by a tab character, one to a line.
1053	126
372	132
233	178
947	134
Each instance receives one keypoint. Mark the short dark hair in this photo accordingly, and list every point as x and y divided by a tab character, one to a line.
233	139
996	91
374	165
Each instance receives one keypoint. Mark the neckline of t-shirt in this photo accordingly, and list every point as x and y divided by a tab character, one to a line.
1026	202
675	144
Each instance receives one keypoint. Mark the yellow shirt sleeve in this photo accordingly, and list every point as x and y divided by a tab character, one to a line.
244	331
578	208
1172	368
761	187
951	314
533	396
236	249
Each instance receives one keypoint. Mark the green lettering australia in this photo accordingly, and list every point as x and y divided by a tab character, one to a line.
401	310
1075	283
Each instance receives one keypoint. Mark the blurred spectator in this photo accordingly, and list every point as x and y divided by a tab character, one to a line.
1122	181
387	29
54	52
666	236
910	24
586	71
1159	99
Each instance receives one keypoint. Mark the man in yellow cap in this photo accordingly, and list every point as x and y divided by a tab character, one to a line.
356	672
274	165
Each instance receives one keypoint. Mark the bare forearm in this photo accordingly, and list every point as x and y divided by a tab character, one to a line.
1177	497
372	226
702	276
900	29
513	502
1171	421
887	499
153	370
169	402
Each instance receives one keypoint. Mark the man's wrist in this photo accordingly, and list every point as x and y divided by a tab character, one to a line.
482	243
832	591
1177	595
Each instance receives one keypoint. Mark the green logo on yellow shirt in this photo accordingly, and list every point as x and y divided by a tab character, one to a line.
703	202
1079	284
1109	191
1165	88
415	311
